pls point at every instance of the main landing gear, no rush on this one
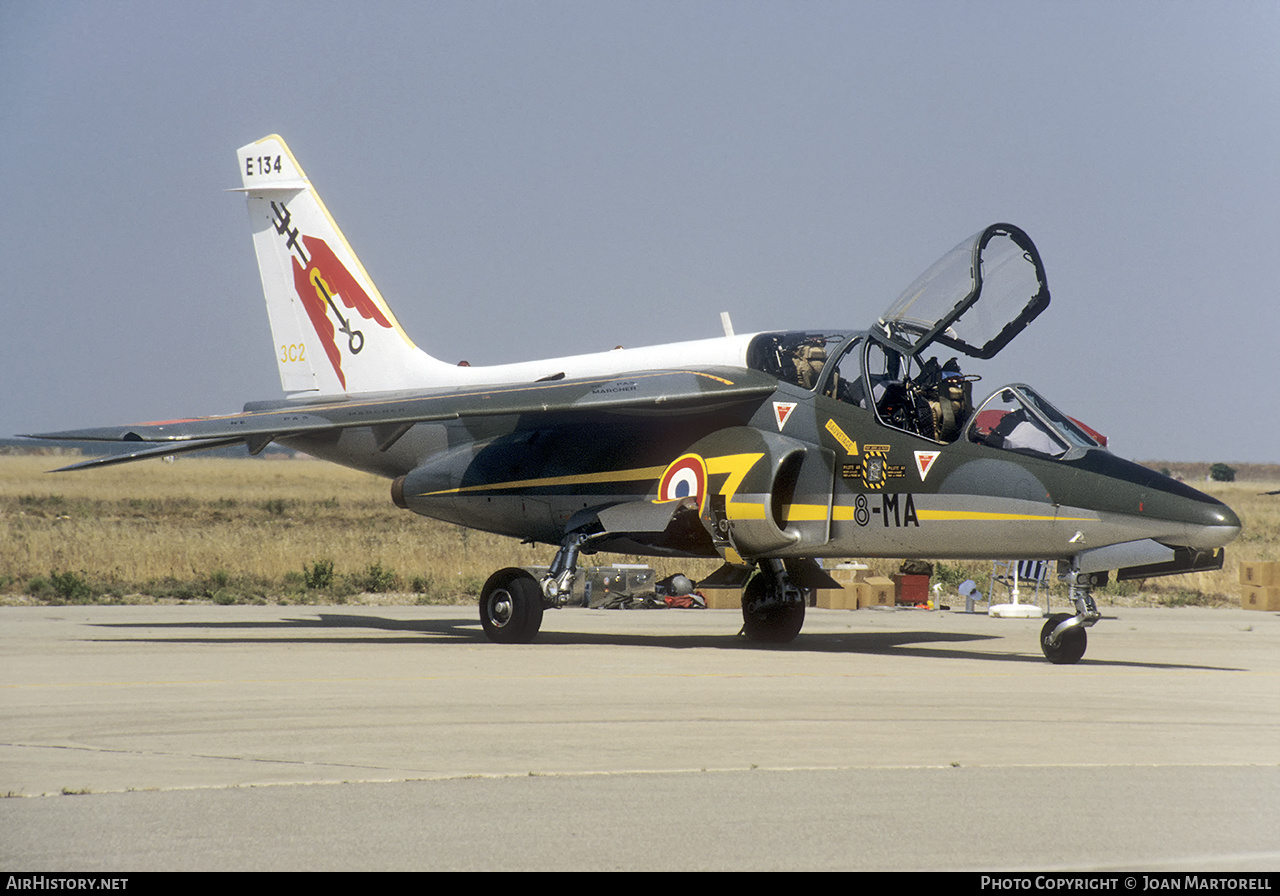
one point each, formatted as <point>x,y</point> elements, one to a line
<point>511,607</point>
<point>772,606</point>
<point>512,600</point>
<point>1063,638</point>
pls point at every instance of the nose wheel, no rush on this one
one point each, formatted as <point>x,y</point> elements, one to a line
<point>1063,639</point>
<point>1069,645</point>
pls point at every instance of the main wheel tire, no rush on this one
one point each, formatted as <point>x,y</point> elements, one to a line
<point>1070,646</point>
<point>778,624</point>
<point>511,607</point>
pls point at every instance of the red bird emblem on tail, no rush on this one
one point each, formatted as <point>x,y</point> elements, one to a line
<point>321,284</point>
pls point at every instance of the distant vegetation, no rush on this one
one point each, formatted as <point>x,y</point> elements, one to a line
<point>1203,471</point>
<point>48,448</point>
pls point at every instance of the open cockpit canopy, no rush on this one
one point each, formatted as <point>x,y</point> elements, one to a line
<point>975,299</point>
<point>1017,418</point>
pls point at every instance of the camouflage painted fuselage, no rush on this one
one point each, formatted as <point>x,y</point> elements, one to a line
<point>791,474</point>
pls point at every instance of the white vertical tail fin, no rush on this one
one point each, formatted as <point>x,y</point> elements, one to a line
<point>333,332</point>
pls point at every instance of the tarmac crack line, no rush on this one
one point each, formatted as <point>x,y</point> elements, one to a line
<point>178,754</point>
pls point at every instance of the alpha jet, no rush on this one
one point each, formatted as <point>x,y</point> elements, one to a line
<point>767,450</point>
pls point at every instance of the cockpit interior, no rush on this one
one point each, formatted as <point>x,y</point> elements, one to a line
<point>974,300</point>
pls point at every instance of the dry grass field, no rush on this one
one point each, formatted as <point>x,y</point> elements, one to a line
<point>235,531</point>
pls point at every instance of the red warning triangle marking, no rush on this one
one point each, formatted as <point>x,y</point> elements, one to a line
<point>924,460</point>
<point>782,411</point>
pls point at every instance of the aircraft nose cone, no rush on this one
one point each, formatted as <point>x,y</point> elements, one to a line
<point>1221,524</point>
<point>1198,520</point>
<point>1209,523</point>
<point>1172,512</point>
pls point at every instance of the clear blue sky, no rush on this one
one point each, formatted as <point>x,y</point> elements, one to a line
<point>540,178</point>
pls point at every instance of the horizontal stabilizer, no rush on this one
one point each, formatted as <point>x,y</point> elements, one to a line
<point>145,453</point>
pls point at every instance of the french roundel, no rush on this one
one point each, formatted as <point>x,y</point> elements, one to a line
<point>685,478</point>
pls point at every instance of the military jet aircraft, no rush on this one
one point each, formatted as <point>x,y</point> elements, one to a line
<point>766,450</point>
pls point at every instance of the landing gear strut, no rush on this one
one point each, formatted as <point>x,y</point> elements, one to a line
<point>1063,638</point>
<point>557,584</point>
<point>772,607</point>
<point>512,600</point>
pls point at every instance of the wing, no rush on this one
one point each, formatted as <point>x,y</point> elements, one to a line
<point>390,415</point>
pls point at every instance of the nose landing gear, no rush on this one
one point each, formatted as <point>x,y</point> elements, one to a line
<point>1063,639</point>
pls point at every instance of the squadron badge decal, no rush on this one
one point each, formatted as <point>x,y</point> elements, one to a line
<point>321,279</point>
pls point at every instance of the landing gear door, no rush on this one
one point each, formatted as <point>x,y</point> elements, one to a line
<point>975,299</point>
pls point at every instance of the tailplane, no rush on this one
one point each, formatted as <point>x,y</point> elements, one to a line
<point>333,332</point>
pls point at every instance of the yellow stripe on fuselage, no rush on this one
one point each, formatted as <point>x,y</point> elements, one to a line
<point>577,479</point>
<point>800,513</point>
<point>805,513</point>
<point>736,467</point>
<point>992,516</point>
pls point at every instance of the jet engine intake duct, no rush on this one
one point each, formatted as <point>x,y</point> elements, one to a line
<point>758,481</point>
<point>783,489</point>
<point>758,519</point>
